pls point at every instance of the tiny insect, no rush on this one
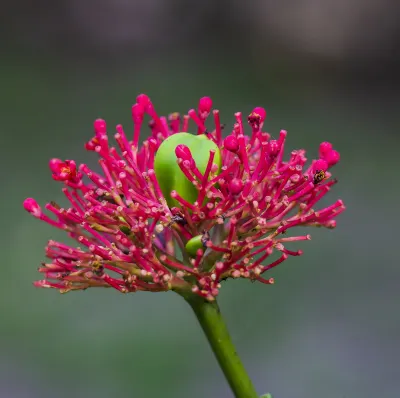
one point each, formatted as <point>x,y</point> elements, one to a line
<point>54,204</point>
<point>205,238</point>
<point>179,219</point>
<point>222,216</point>
<point>319,176</point>
<point>97,268</point>
<point>108,198</point>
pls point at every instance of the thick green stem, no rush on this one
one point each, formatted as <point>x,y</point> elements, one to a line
<point>214,327</point>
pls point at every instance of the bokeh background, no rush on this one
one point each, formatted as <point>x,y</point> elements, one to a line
<point>324,70</point>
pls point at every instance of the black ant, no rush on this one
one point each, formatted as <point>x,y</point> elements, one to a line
<point>179,219</point>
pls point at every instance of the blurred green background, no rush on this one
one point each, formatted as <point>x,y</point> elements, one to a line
<point>330,326</point>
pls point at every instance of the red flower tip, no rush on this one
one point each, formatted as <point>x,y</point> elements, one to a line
<point>55,164</point>
<point>100,126</point>
<point>332,157</point>
<point>261,112</point>
<point>236,186</point>
<point>273,148</point>
<point>183,152</point>
<point>153,143</point>
<point>205,105</point>
<point>91,145</point>
<point>320,165</point>
<point>231,143</point>
<point>143,100</point>
<point>324,148</point>
<point>327,153</point>
<point>137,112</point>
<point>175,210</point>
<point>31,206</point>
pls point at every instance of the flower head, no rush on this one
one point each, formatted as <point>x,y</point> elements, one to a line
<point>183,211</point>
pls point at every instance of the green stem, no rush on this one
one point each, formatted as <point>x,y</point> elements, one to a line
<point>214,327</point>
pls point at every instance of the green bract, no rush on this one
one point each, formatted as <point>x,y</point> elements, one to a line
<point>170,177</point>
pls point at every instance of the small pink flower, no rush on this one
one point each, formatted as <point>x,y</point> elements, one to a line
<point>231,143</point>
<point>183,152</point>
<point>256,118</point>
<point>31,206</point>
<point>128,236</point>
<point>327,153</point>
<point>236,186</point>
<point>332,157</point>
<point>64,171</point>
<point>205,105</point>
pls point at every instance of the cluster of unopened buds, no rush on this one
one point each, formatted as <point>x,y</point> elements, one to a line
<point>183,211</point>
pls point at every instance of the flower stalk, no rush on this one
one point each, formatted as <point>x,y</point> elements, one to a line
<point>210,318</point>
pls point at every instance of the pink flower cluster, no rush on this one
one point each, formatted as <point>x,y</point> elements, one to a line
<point>130,239</point>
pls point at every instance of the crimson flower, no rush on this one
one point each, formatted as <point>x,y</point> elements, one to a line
<point>183,211</point>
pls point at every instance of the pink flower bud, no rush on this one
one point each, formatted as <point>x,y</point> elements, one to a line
<point>205,105</point>
<point>183,152</point>
<point>143,100</point>
<point>236,186</point>
<point>319,165</point>
<point>231,143</point>
<point>324,148</point>
<point>31,206</point>
<point>92,144</point>
<point>153,143</point>
<point>55,164</point>
<point>137,112</point>
<point>272,148</point>
<point>332,157</point>
<point>100,126</point>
